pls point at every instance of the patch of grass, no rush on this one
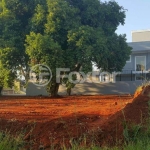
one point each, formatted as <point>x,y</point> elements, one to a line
<point>8,142</point>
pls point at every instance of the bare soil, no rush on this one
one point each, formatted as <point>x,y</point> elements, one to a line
<point>50,122</point>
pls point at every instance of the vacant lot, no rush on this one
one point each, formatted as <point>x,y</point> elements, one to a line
<point>48,121</point>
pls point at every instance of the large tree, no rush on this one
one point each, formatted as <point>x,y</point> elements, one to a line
<point>74,33</point>
<point>62,34</point>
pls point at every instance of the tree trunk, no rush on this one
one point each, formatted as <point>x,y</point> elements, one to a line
<point>1,88</point>
<point>54,90</point>
<point>26,75</point>
<point>77,68</point>
<point>68,91</point>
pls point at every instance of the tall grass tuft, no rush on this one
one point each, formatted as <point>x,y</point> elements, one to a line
<point>8,142</point>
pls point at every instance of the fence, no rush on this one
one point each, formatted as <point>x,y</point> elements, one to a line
<point>130,75</point>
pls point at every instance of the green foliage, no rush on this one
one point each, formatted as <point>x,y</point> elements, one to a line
<point>6,78</point>
<point>62,34</point>
<point>131,132</point>
<point>10,143</point>
<point>71,34</point>
<point>14,26</point>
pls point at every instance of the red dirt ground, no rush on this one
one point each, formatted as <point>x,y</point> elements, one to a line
<point>47,121</point>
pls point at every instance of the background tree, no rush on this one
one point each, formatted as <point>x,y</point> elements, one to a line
<point>6,78</point>
<point>14,26</point>
<point>71,34</point>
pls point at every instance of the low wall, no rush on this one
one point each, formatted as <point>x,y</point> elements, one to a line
<point>120,87</point>
<point>33,90</point>
<point>7,92</point>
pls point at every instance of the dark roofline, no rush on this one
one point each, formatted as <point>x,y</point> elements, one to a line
<point>139,42</point>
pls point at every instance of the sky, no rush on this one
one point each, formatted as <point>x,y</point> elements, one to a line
<point>137,16</point>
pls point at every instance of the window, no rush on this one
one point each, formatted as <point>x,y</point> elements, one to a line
<point>140,63</point>
<point>129,60</point>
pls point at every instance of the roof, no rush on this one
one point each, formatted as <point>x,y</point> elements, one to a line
<point>136,31</point>
<point>140,46</point>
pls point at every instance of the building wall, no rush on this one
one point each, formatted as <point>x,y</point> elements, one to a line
<point>139,36</point>
<point>148,61</point>
<point>7,91</point>
<point>33,90</point>
<point>131,65</point>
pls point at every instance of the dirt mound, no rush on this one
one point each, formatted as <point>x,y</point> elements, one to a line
<point>134,113</point>
<point>144,90</point>
<point>138,91</point>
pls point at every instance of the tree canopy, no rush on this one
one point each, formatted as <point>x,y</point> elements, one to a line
<point>62,34</point>
<point>14,26</point>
